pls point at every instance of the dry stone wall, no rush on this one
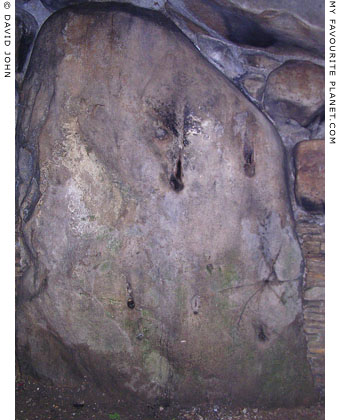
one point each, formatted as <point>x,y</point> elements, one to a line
<point>310,191</point>
<point>313,245</point>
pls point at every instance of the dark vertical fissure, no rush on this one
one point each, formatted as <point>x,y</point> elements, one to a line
<point>176,181</point>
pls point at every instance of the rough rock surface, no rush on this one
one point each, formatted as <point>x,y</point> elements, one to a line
<point>157,247</point>
<point>252,23</point>
<point>34,8</point>
<point>312,13</point>
<point>310,175</point>
<point>296,91</point>
<point>26,28</point>
<point>263,24</point>
<point>57,4</point>
<point>229,33</point>
<point>254,85</point>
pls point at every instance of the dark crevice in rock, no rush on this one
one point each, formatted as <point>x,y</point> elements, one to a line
<point>29,290</point>
<point>26,28</point>
<point>261,334</point>
<point>318,115</point>
<point>131,303</point>
<point>309,205</point>
<point>30,200</point>
<point>210,268</point>
<point>195,304</point>
<point>25,31</point>
<point>239,27</point>
<point>316,124</point>
<point>176,178</point>
<point>179,169</point>
<point>244,31</point>
<point>248,154</point>
<point>32,195</point>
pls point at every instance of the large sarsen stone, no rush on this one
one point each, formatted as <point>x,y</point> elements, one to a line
<point>157,248</point>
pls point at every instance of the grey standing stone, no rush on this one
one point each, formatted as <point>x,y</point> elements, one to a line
<point>157,233</point>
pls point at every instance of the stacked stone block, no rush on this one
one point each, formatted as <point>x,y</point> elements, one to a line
<point>309,190</point>
<point>312,237</point>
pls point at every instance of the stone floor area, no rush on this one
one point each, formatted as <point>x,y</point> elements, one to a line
<point>40,401</point>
